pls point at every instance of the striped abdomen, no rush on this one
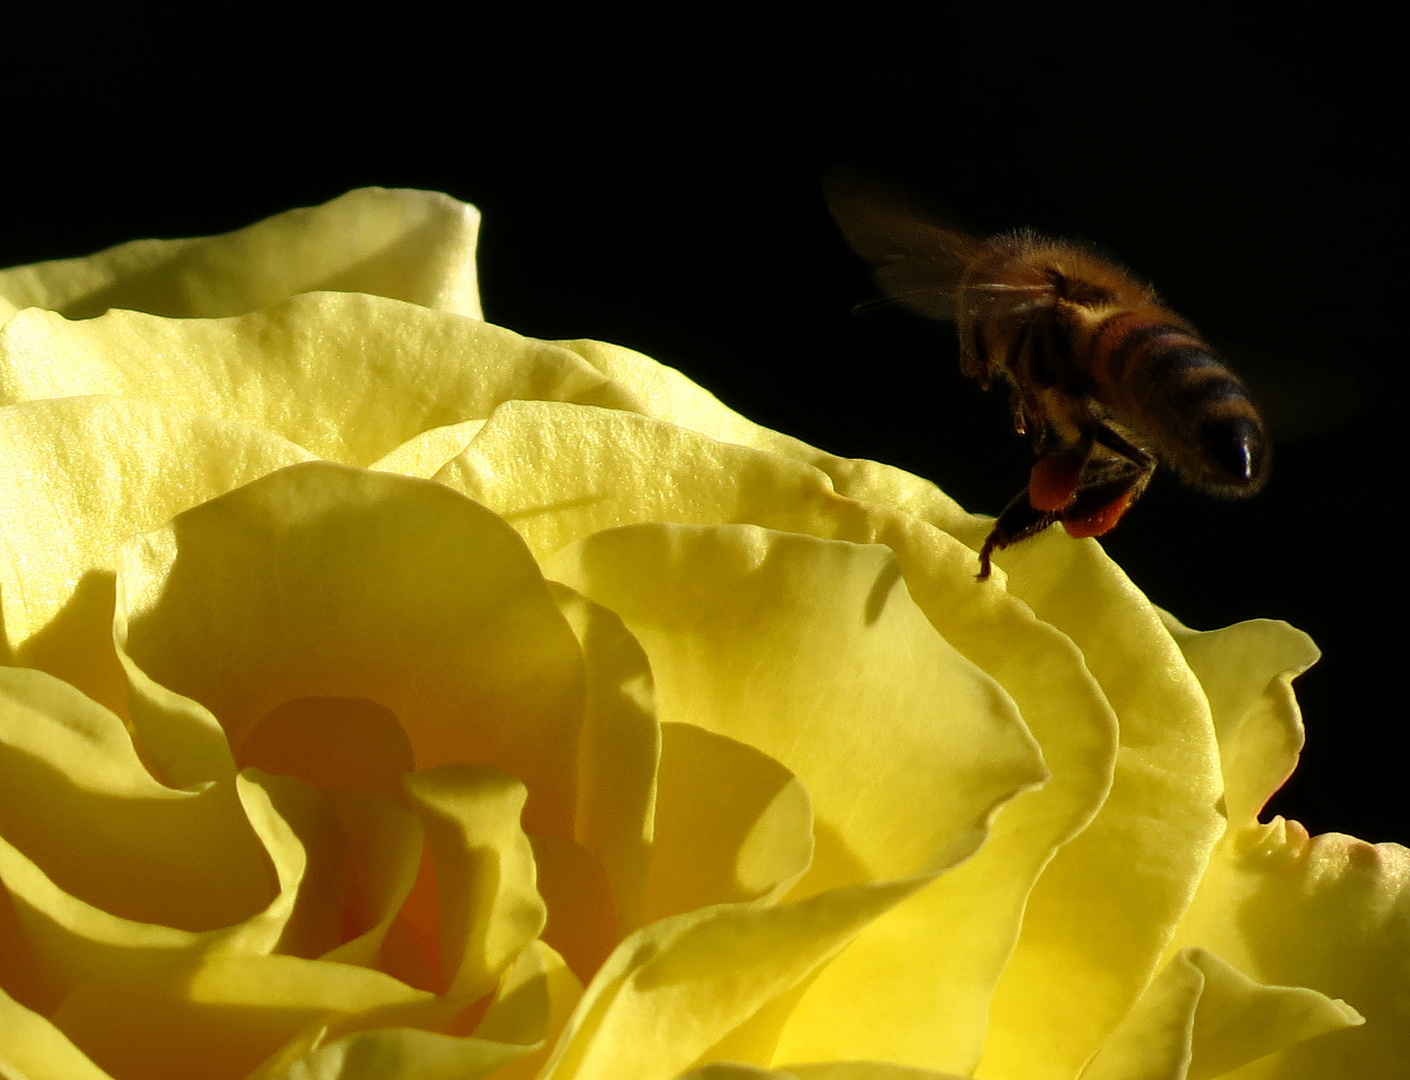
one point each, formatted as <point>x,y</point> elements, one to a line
<point>1165,383</point>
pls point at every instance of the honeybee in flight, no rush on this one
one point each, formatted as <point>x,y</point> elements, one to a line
<point>1104,380</point>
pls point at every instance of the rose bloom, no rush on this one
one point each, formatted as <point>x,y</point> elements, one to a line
<point>390,695</point>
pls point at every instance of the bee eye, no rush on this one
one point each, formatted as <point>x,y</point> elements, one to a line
<point>1238,447</point>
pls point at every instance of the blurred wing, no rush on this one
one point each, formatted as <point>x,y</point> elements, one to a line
<point>915,260</point>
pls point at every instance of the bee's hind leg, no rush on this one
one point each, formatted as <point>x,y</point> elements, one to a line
<point>1018,521</point>
<point>1108,486</point>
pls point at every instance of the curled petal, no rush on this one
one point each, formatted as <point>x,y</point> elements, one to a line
<point>347,376</point>
<point>487,909</point>
<point>618,754</point>
<point>96,470</point>
<point>1202,1018</point>
<point>675,988</point>
<point>33,1048</point>
<point>418,600</point>
<point>414,245</point>
<point>814,652</point>
<point>1329,913</point>
<point>731,824</point>
<point>1247,671</point>
<point>831,1070</point>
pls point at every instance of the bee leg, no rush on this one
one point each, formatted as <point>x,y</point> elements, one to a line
<point>1108,487</point>
<point>1018,521</point>
<point>1104,435</point>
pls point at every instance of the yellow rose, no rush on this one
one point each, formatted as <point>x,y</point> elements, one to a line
<point>389,695</point>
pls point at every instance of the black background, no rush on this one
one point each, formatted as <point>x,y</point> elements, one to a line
<point>651,177</point>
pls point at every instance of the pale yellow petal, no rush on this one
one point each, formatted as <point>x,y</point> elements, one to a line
<point>1105,909</point>
<point>832,1070</point>
<point>582,921</point>
<point>617,753</point>
<point>31,1048</point>
<point>1247,671</point>
<point>1202,1018</point>
<point>382,845</point>
<point>677,987</point>
<point>219,1017</point>
<point>121,874</point>
<point>732,824</point>
<point>733,1070</point>
<point>487,907</point>
<point>426,454</point>
<point>560,471</point>
<point>532,1005</point>
<point>942,951</point>
<point>178,858</point>
<point>1331,914</point>
<point>414,245</point>
<point>364,586</point>
<point>80,477</point>
<point>308,844</point>
<point>663,393</point>
<point>401,1054</point>
<point>347,376</point>
<point>814,652</point>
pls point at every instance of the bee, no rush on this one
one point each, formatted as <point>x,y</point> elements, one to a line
<point>1104,380</point>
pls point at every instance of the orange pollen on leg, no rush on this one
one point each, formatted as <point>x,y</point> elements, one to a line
<point>1052,485</point>
<point>1100,521</point>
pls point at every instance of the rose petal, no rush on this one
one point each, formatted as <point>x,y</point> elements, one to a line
<point>347,376</point>
<point>1330,913</point>
<point>426,454</point>
<point>560,471</point>
<point>617,754</point>
<point>400,1054</point>
<point>1325,913</point>
<point>217,1018</point>
<point>531,1006</point>
<point>832,1070</point>
<point>94,471</point>
<point>487,909</point>
<point>381,844</point>
<point>416,598</point>
<point>676,987</point>
<point>942,951</point>
<point>331,742</point>
<point>582,922</point>
<point>1247,671</point>
<point>1104,910</point>
<point>813,652</point>
<point>866,1070</point>
<point>162,872</point>
<point>34,1049</point>
<point>534,1001</point>
<point>414,245</point>
<point>664,393</point>
<point>731,824</point>
<point>1202,1018</point>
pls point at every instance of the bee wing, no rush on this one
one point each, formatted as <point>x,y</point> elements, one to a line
<point>916,260</point>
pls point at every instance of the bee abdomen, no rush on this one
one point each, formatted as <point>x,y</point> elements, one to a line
<point>1165,378</point>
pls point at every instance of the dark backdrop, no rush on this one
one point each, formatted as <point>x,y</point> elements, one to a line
<point>653,180</point>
